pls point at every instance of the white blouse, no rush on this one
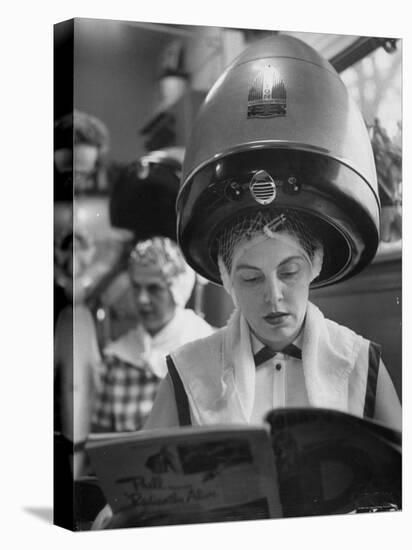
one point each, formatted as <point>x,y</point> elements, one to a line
<point>279,382</point>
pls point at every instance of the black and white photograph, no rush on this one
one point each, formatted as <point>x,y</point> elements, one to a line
<point>226,237</point>
<point>227,252</point>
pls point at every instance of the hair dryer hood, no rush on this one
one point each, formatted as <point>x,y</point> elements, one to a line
<point>279,130</point>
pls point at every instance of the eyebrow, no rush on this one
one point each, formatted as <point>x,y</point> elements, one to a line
<point>288,259</point>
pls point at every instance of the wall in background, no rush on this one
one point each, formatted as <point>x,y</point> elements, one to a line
<point>115,79</point>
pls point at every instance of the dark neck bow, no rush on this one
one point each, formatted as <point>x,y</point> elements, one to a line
<point>266,353</point>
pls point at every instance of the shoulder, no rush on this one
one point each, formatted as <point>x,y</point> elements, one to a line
<point>343,341</point>
<point>200,346</point>
<point>343,337</point>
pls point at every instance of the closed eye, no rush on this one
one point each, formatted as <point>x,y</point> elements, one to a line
<point>253,279</point>
<point>289,273</point>
<point>250,276</point>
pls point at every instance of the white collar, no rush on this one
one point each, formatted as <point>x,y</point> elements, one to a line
<point>257,345</point>
<point>136,342</point>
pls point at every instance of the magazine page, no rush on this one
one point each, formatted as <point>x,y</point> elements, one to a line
<point>330,462</point>
<point>189,475</point>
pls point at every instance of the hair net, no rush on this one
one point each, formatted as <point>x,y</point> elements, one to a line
<point>164,256</point>
<point>246,231</point>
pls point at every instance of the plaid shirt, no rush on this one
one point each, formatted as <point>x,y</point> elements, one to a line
<point>134,367</point>
<point>126,397</point>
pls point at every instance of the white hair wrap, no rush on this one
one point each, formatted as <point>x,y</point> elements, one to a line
<point>164,256</point>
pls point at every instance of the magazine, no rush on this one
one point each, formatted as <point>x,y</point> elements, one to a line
<point>209,473</point>
<point>302,462</point>
<point>330,462</point>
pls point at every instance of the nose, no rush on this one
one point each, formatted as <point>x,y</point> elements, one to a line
<point>273,290</point>
<point>142,297</point>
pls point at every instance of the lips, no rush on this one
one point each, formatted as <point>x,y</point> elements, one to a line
<point>275,318</point>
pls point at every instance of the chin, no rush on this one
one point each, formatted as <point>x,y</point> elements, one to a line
<point>279,335</point>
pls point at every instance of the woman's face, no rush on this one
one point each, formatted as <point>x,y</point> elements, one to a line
<point>271,282</point>
<point>153,298</point>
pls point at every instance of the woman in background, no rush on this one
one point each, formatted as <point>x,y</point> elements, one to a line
<point>134,365</point>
